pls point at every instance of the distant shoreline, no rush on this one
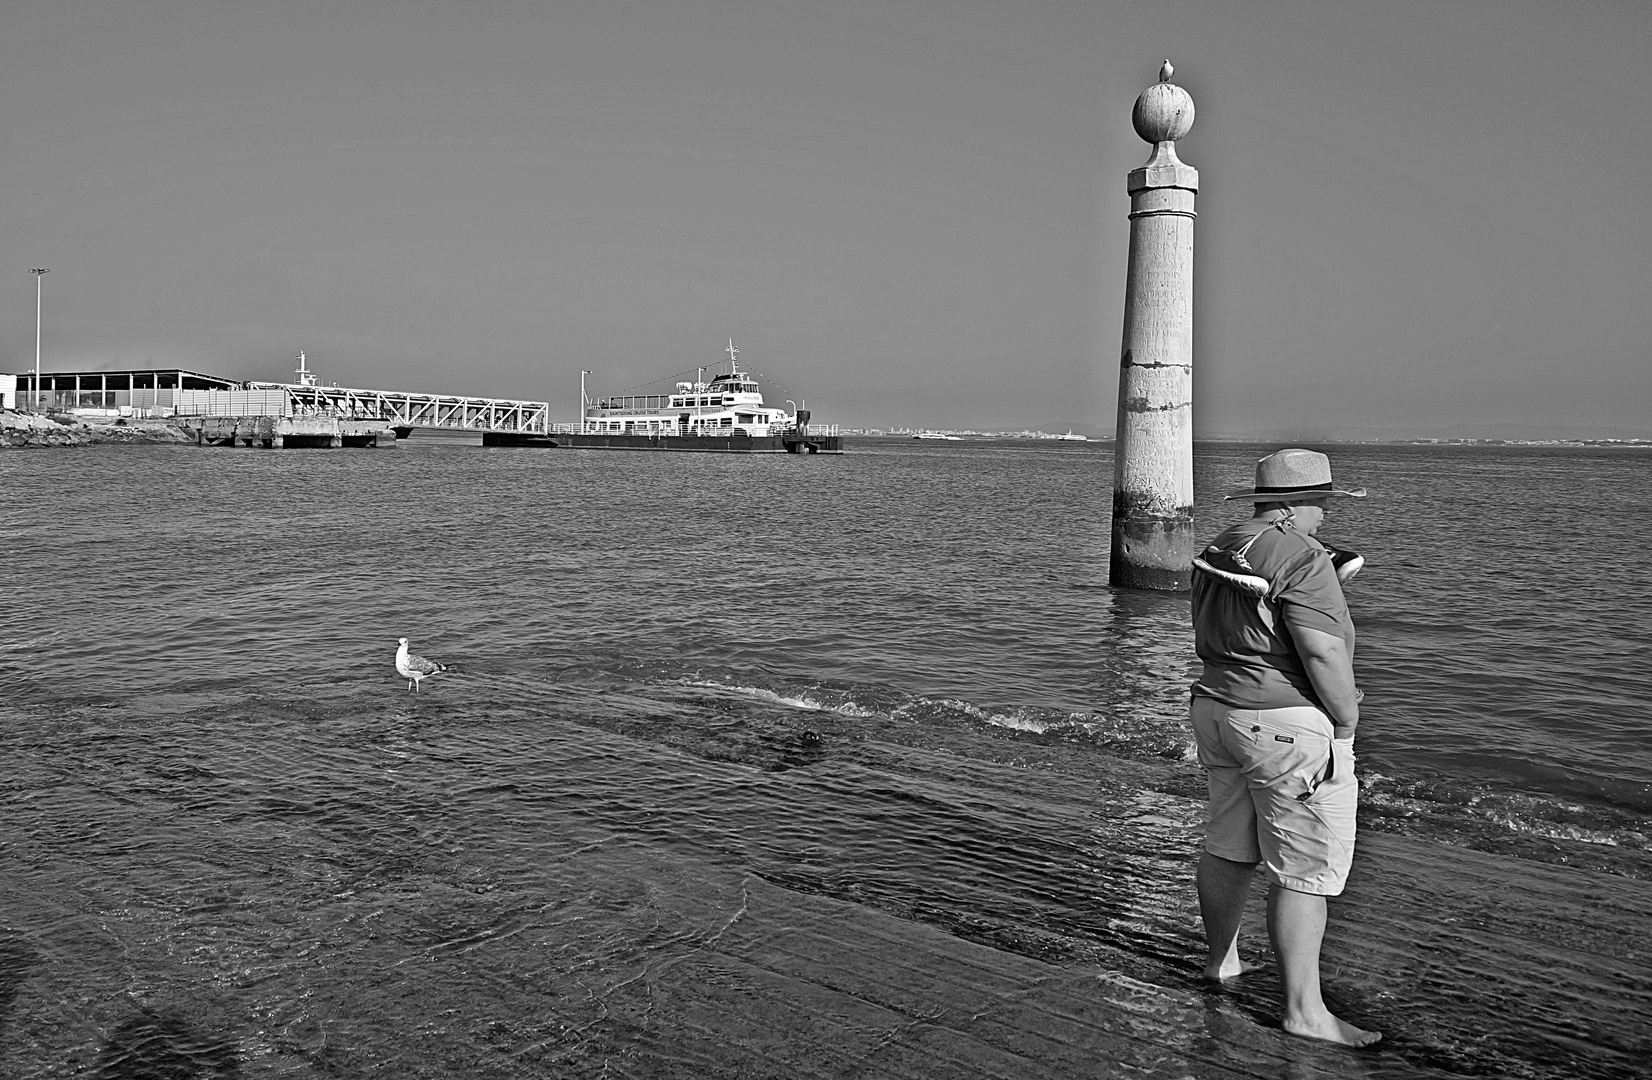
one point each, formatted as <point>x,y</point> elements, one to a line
<point>999,436</point>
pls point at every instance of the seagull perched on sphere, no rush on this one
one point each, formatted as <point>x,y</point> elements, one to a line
<point>414,668</point>
<point>1166,71</point>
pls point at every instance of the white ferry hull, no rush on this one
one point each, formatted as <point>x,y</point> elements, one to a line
<point>709,444</point>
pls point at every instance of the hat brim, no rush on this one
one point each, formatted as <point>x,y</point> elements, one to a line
<point>1300,493</point>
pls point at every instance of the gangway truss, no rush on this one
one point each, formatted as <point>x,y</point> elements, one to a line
<point>405,409</point>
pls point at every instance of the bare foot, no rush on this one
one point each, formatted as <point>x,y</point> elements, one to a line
<point>1329,1028</point>
<point>1230,967</point>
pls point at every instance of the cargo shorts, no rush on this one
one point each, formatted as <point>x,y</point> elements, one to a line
<point>1282,792</point>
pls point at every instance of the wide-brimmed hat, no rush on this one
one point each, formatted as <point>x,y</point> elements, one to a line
<point>1295,474</point>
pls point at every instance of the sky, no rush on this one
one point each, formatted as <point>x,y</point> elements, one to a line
<point>904,212</point>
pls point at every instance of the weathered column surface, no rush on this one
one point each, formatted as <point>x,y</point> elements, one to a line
<point>1153,457</point>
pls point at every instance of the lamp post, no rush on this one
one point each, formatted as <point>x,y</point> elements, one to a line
<point>39,273</point>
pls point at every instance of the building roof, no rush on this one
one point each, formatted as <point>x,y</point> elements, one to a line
<point>123,375</point>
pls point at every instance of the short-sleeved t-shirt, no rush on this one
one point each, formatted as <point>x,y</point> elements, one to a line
<point>1250,661</point>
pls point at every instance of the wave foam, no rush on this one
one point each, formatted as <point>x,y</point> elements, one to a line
<point>793,701</point>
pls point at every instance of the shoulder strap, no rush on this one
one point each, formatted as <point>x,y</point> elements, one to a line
<point>1231,568</point>
<point>1255,584</point>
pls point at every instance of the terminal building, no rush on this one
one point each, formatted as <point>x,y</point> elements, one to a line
<point>137,389</point>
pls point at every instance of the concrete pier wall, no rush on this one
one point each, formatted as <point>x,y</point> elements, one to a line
<point>278,432</point>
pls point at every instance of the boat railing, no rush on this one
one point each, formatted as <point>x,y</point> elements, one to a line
<point>575,428</point>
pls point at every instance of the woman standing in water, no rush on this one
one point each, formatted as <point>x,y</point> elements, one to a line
<point>1274,714</point>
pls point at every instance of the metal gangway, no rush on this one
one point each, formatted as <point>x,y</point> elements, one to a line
<point>404,409</point>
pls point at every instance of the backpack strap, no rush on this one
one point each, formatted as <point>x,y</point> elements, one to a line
<point>1232,568</point>
<point>1255,584</point>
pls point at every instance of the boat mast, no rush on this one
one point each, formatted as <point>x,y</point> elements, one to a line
<point>733,368</point>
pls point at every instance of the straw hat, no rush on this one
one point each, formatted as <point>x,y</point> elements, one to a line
<point>1295,474</point>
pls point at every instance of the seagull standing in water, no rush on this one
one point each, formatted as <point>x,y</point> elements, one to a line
<point>414,668</point>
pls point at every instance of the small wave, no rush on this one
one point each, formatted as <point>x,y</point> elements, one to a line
<point>29,643</point>
<point>794,701</point>
<point>1468,811</point>
<point>1446,807</point>
<point>1551,831</point>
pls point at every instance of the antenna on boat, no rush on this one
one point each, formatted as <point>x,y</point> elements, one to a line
<point>733,368</point>
<point>306,377</point>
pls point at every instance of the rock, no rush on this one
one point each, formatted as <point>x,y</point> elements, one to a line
<point>32,429</point>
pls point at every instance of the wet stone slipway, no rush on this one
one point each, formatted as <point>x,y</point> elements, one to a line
<point>586,898</point>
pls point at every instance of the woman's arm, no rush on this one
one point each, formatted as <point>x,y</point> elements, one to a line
<point>1331,670</point>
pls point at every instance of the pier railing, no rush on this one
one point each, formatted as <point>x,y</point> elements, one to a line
<point>405,409</point>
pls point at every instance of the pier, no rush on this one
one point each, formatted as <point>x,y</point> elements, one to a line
<point>289,432</point>
<point>290,415</point>
<point>406,411</point>
<point>306,414</point>
<point>223,412</point>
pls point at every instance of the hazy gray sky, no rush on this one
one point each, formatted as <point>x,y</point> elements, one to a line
<point>902,210</point>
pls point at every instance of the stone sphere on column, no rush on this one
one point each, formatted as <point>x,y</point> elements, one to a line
<point>1163,113</point>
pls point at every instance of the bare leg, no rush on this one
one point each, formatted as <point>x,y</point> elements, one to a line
<point>1296,923</point>
<point>1224,886</point>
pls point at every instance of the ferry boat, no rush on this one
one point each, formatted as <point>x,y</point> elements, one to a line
<point>726,414</point>
<point>937,435</point>
<point>1070,437</point>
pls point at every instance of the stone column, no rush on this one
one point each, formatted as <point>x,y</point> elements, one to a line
<point>1153,457</point>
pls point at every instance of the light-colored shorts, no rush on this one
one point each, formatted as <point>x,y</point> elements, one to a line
<point>1282,792</point>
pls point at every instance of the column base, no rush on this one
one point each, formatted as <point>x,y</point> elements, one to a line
<point>1151,551</point>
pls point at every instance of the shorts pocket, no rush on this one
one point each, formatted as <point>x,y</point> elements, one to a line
<point>1338,770</point>
<point>1287,759</point>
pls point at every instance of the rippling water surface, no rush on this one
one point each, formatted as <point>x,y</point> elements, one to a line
<point>894,679</point>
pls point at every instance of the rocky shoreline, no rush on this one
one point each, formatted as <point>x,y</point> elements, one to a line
<point>20,430</point>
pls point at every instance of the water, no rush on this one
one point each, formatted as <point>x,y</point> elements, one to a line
<point>701,703</point>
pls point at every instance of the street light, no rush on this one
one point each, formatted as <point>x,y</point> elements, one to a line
<point>39,273</point>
